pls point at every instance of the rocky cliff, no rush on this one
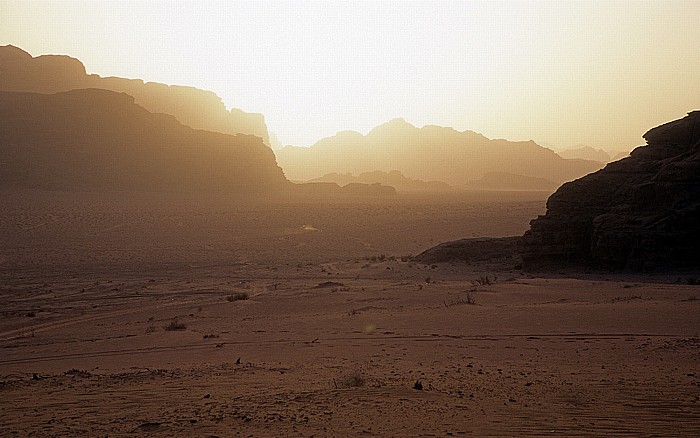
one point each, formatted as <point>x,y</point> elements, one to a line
<point>200,109</point>
<point>639,213</point>
<point>94,139</point>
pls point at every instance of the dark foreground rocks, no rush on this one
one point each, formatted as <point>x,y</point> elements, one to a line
<point>639,213</point>
<point>500,251</point>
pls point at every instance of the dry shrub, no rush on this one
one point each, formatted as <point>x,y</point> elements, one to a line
<point>238,296</point>
<point>175,325</point>
<point>352,380</point>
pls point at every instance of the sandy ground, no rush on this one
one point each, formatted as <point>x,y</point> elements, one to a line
<point>332,337</point>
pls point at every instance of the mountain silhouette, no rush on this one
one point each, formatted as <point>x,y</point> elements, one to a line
<point>641,212</point>
<point>586,153</point>
<point>430,153</point>
<point>94,139</point>
<point>394,179</point>
<point>199,109</point>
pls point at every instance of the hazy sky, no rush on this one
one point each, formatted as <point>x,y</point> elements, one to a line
<point>560,72</point>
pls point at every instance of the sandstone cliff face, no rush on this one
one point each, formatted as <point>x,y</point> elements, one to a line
<point>94,139</point>
<point>639,213</point>
<point>200,109</point>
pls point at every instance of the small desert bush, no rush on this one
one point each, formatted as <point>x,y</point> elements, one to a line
<point>175,325</point>
<point>238,296</point>
<point>468,299</point>
<point>352,380</point>
<point>150,329</point>
<point>78,373</point>
<point>484,280</point>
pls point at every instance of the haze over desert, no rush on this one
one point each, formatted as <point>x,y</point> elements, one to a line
<point>337,219</point>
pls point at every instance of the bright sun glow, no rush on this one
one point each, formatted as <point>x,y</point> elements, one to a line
<point>560,73</point>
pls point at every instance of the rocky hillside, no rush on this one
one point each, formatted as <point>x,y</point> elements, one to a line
<point>95,139</point>
<point>642,212</point>
<point>200,109</point>
<point>430,153</point>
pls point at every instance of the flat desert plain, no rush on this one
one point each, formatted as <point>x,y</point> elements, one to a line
<point>193,316</point>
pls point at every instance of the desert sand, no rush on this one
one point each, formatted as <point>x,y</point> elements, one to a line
<point>123,315</point>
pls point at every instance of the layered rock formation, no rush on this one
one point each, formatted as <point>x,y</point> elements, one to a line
<point>639,213</point>
<point>430,153</point>
<point>200,109</point>
<point>95,139</point>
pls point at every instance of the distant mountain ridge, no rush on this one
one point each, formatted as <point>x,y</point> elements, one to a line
<point>430,153</point>
<point>394,179</point>
<point>199,109</point>
<point>586,153</point>
<point>94,139</point>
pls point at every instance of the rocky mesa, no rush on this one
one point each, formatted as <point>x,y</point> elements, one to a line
<point>200,109</point>
<point>639,213</point>
<point>93,139</point>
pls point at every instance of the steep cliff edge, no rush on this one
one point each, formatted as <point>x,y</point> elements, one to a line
<point>93,139</point>
<point>199,109</point>
<point>639,213</point>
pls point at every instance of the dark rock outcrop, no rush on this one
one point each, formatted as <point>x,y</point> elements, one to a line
<point>639,213</point>
<point>94,139</point>
<point>394,179</point>
<point>331,190</point>
<point>199,109</point>
<point>483,250</point>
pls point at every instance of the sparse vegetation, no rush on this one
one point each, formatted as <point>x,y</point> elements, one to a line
<point>150,329</point>
<point>484,280</point>
<point>468,299</point>
<point>352,380</point>
<point>238,296</point>
<point>627,298</point>
<point>175,325</point>
<point>692,281</point>
<point>78,373</point>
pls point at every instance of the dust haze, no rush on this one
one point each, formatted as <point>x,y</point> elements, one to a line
<point>164,271</point>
